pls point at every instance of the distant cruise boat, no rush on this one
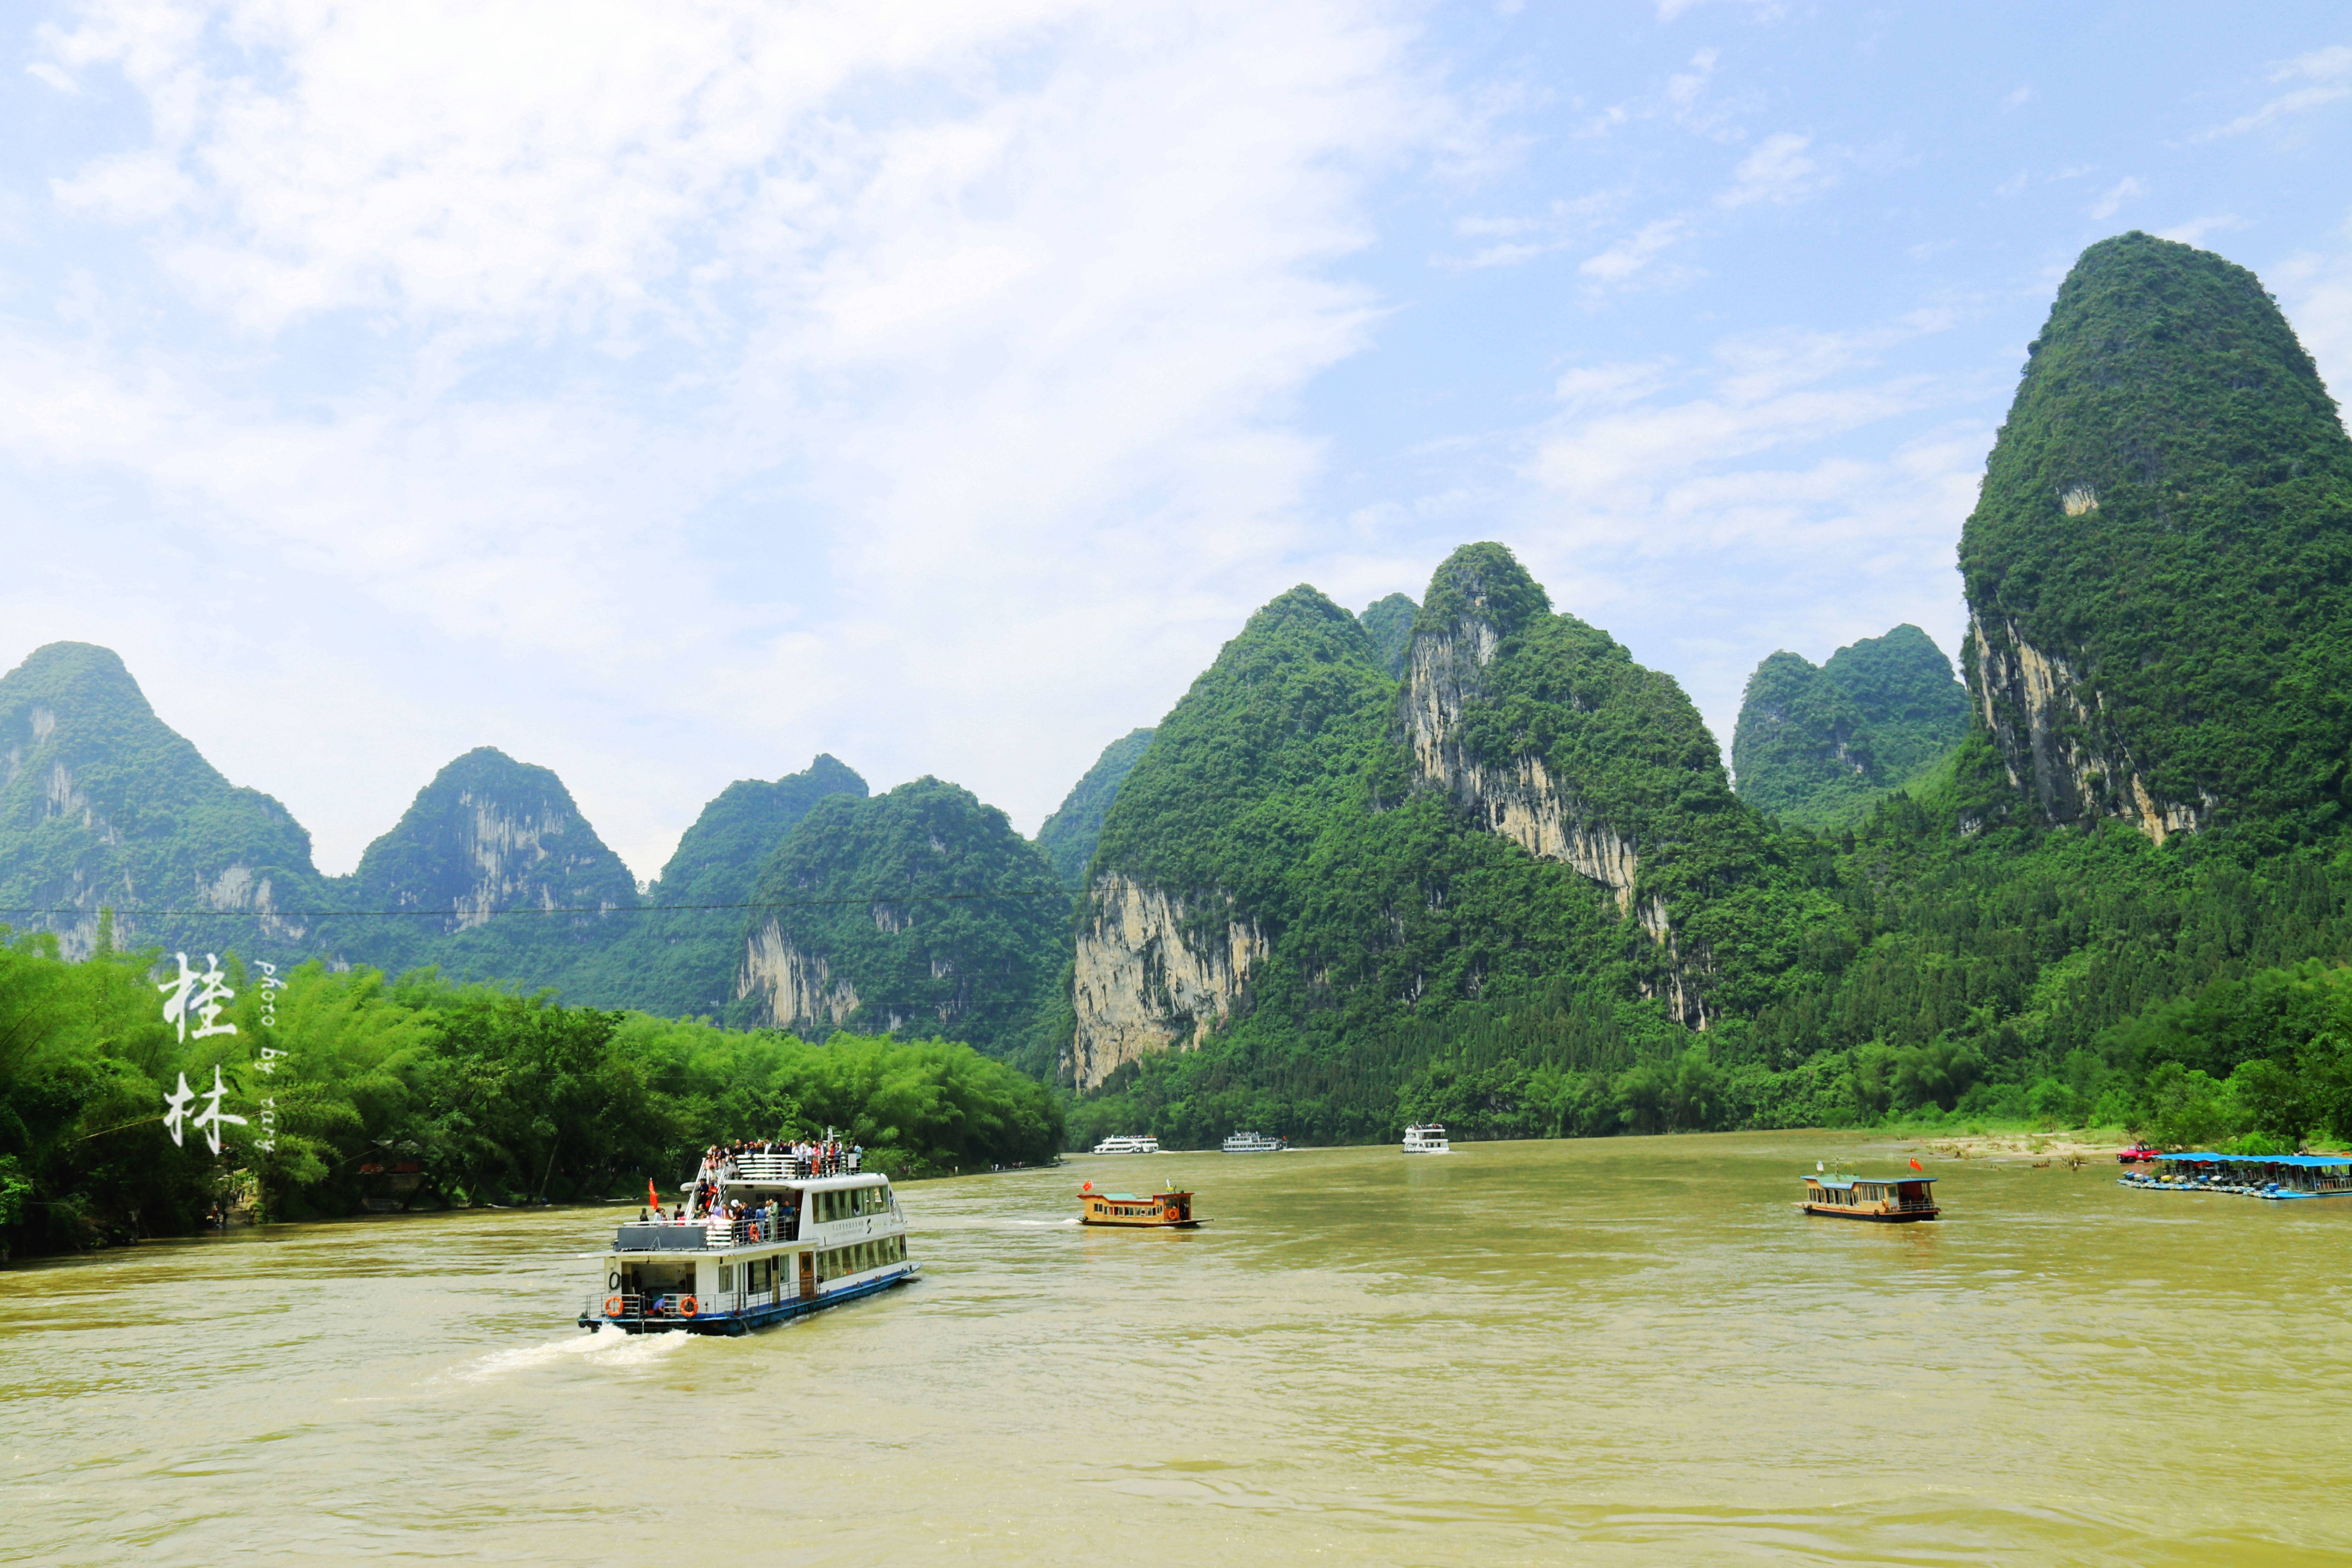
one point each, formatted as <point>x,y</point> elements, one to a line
<point>1429,1140</point>
<point>1254,1144</point>
<point>1144,1146</point>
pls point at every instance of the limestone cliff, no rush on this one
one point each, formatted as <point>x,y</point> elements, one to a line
<point>1143,981</point>
<point>2058,746</point>
<point>791,989</point>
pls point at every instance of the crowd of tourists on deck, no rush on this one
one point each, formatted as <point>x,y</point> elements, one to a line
<point>723,1163</point>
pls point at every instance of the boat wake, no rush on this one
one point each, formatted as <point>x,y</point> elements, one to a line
<point>609,1350</point>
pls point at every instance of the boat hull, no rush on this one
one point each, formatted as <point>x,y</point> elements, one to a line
<point>744,1323</point>
<point>1897,1216</point>
<point>1143,1224</point>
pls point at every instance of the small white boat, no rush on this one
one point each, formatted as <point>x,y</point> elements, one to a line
<point>1144,1146</point>
<point>1254,1144</point>
<point>808,1242</point>
<point>1429,1140</point>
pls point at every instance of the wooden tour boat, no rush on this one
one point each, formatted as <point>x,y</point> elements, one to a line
<point>1889,1200</point>
<point>1161,1211</point>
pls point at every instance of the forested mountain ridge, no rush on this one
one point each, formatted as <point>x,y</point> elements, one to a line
<point>1818,746</point>
<point>103,805</point>
<point>1319,874</point>
<point>682,956</point>
<point>2159,568</point>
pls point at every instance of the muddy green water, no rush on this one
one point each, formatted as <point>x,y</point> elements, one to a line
<point>1623,1351</point>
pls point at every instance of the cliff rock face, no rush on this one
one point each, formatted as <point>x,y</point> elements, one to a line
<point>1144,981</point>
<point>920,910</point>
<point>1819,746</point>
<point>102,804</point>
<point>796,990</point>
<point>490,834</point>
<point>2159,568</point>
<point>1068,836</point>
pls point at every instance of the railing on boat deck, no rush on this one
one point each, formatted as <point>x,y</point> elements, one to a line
<point>788,1167</point>
<point>701,1234</point>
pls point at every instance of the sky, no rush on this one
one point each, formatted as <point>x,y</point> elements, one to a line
<point>664,393</point>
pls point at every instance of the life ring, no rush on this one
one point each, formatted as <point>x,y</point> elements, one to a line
<point>687,1307</point>
<point>612,1305</point>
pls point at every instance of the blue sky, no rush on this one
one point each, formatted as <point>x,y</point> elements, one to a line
<point>667,393</point>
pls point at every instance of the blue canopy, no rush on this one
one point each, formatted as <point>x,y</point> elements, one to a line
<point>1841,1183</point>
<point>2304,1161</point>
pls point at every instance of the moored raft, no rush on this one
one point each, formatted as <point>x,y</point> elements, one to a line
<point>2271,1176</point>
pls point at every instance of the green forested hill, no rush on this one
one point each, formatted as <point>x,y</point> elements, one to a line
<point>2159,564</point>
<point>1817,746</point>
<point>101,803</point>
<point>1388,622</point>
<point>1068,836</point>
<point>920,911</point>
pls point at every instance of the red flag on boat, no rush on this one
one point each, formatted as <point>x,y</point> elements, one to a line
<point>1917,1166</point>
<point>653,1198</point>
<point>1087,1188</point>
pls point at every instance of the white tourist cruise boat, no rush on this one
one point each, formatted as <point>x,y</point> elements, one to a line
<point>1429,1140</point>
<point>1254,1144</point>
<point>1144,1146</point>
<point>834,1239</point>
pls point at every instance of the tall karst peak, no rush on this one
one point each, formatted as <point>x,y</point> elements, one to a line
<point>490,834</point>
<point>1544,730</point>
<point>101,802</point>
<point>2157,568</point>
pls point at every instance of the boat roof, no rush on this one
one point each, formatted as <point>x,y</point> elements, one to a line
<point>1844,1182</point>
<point>2301,1160</point>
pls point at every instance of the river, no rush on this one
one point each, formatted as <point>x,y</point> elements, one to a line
<point>1628,1351</point>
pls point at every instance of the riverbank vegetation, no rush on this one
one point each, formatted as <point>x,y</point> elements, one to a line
<point>430,1092</point>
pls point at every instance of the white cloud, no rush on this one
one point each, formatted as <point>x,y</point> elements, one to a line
<point>1778,170</point>
<point>2196,230</point>
<point>2316,291</point>
<point>1714,512</point>
<point>2116,195</point>
<point>1635,252</point>
<point>2328,74</point>
<point>827,373</point>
